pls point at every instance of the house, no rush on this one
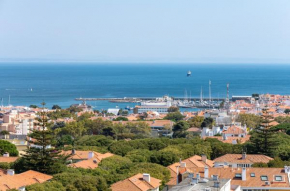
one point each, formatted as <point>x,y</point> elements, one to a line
<point>196,184</point>
<point>146,108</point>
<point>10,180</point>
<point>139,182</point>
<point>234,131</point>
<point>6,158</point>
<point>240,160</point>
<point>229,134</point>
<point>194,131</point>
<point>207,132</point>
<point>255,179</point>
<point>85,159</point>
<point>114,111</point>
<point>232,140</point>
<point>178,169</point>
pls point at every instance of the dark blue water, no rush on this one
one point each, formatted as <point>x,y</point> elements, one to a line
<point>61,83</point>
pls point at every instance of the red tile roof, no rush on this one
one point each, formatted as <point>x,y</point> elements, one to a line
<point>136,183</point>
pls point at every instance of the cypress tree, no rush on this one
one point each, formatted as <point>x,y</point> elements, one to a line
<point>40,155</point>
<point>264,137</point>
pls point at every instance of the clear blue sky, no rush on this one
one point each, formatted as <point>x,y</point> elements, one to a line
<point>233,31</point>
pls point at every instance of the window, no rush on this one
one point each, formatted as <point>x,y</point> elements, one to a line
<point>264,178</point>
<point>278,178</point>
<point>238,175</point>
<point>252,174</point>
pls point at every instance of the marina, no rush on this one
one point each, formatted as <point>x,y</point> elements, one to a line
<point>168,101</point>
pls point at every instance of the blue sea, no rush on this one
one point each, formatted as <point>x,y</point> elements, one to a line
<point>61,83</point>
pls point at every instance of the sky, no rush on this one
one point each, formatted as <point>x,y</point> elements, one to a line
<point>189,31</point>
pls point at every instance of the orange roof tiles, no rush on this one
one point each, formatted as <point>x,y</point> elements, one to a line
<point>8,159</point>
<point>24,179</point>
<point>231,140</point>
<point>136,183</point>
<point>87,164</point>
<point>237,158</point>
<point>191,163</point>
<point>234,130</point>
<point>85,161</point>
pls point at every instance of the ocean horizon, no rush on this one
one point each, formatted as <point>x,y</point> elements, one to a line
<point>61,83</point>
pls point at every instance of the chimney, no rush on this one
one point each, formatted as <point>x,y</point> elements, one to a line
<point>197,176</point>
<point>95,161</point>
<point>224,137</point>
<point>10,172</point>
<point>204,158</point>
<point>194,181</point>
<point>91,155</point>
<point>205,172</point>
<point>244,174</point>
<point>73,151</point>
<point>287,169</point>
<point>146,177</point>
<point>183,164</point>
<point>6,154</point>
<point>216,184</point>
<point>215,177</point>
<point>177,173</point>
<point>244,155</point>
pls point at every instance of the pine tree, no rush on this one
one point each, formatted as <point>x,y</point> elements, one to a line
<point>40,155</point>
<point>264,137</point>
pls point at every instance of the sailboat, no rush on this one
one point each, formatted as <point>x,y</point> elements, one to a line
<point>188,73</point>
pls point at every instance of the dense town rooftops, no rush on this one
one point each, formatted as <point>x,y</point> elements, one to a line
<point>183,166</point>
<point>262,178</point>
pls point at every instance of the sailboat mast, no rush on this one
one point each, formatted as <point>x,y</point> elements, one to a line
<point>201,95</point>
<point>185,95</point>
<point>209,86</point>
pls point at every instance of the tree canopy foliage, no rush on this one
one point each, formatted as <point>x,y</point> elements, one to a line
<point>250,120</point>
<point>6,146</point>
<point>174,116</point>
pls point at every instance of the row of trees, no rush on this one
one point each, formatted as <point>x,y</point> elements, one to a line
<point>118,130</point>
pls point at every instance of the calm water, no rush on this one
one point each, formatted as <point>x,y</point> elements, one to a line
<point>61,83</point>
